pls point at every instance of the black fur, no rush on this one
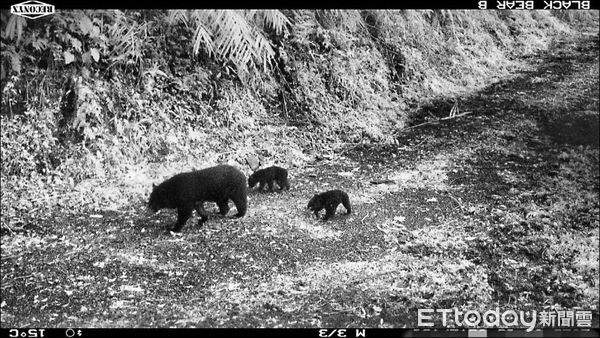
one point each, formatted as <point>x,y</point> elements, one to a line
<point>329,201</point>
<point>187,190</point>
<point>269,176</point>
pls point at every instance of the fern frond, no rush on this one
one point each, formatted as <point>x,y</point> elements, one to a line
<point>176,15</point>
<point>271,19</point>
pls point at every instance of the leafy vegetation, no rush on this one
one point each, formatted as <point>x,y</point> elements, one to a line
<point>495,208</point>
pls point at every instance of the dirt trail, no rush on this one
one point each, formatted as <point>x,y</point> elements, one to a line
<point>497,208</point>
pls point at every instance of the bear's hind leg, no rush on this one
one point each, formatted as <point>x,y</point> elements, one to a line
<point>241,204</point>
<point>223,207</point>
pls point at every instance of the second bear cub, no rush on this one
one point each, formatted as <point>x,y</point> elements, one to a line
<point>329,201</point>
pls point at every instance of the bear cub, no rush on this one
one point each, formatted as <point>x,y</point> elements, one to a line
<point>189,190</point>
<point>269,176</point>
<point>329,201</point>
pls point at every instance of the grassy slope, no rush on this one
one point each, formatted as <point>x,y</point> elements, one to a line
<point>486,210</point>
<point>341,77</point>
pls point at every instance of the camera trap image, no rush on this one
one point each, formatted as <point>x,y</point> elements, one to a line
<point>297,168</point>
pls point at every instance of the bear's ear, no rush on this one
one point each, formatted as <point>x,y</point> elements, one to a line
<point>153,185</point>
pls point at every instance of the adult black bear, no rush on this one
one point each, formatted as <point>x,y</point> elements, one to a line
<point>187,190</point>
<point>329,201</point>
<point>269,176</point>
